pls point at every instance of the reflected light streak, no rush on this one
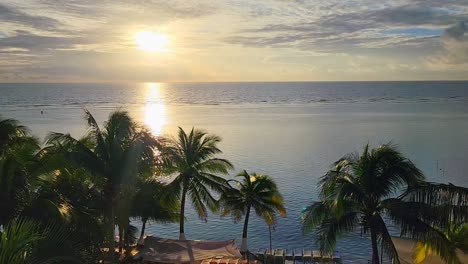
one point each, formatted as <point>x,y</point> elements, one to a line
<point>155,110</point>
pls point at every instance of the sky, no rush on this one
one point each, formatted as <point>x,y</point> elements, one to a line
<point>233,40</point>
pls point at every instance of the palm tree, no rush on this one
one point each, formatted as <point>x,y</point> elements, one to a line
<point>24,241</point>
<point>441,214</point>
<point>17,242</point>
<point>152,202</point>
<point>115,155</point>
<point>17,168</point>
<point>72,200</point>
<point>192,159</point>
<point>457,234</point>
<point>256,191</point>
<point>11,133</point>
<point>357,192</point>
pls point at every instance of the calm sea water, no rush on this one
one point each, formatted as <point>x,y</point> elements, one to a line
<point>291,131</point>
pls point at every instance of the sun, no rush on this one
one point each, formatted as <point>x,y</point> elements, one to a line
<point>152,41</point>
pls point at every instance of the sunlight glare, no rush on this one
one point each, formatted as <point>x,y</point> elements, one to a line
<point>152,41</point>
<point>155,110</point>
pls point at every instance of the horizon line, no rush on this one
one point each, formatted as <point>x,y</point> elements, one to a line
<point>293,81</point>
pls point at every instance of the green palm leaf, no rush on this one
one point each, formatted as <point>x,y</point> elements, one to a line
<point>192,158</point>
<point>356,192</point>
<point>254,192</point>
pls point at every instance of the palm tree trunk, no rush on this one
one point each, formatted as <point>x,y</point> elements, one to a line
<point>244,247</point>
<point>121,234</point>
<point>111,233</point>
<point>109,200</point>
<point>143,227</point>
<point>375,249</point>
<point>182,216</point>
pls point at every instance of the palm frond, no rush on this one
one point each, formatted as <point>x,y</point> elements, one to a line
<point>313,215</point>
<point>256,191</point>
<point>449,196</point>
<point>332,227</point>
<point>386,240</point>
<point>197,202</point>
<point>394,171</point>
<point>412,226</point>
<point>357,184</point>
<point>17,242</point>
<point>193,157</point>
<point>13,133</point>
<point>215,165</point>
<point>24,241</point>
<point>95,135</point>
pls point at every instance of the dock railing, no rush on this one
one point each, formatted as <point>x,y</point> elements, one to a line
<point>295,255</point>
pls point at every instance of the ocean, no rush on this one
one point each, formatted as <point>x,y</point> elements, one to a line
<point>291,131</point>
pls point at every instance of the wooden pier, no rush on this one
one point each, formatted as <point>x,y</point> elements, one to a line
<point>304,256</point>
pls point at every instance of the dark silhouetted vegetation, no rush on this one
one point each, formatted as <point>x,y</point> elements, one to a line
<point>378,186</point>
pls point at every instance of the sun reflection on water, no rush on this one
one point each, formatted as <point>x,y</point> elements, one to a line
<point>155,110</point>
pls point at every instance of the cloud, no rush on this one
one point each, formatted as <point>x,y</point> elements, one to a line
<point>411,15</point>
<point>12,15</point>
<point>457,31</point>
<point>340,29</point>
<point>140,9</point>
<point>454,54</point>
<point>95,39</point>
<point>25,40</point>
<point>86,38</point>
